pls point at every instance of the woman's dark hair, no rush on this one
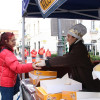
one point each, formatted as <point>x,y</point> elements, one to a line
<point>5,36</point>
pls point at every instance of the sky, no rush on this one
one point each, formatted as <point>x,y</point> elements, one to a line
<point>10,14</point>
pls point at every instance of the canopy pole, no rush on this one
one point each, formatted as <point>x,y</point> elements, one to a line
<point>99,12</point>
<point>23,43</point>
<point>99,35</point>
<point>60,45</point>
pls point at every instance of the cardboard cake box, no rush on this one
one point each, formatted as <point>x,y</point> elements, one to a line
<point>60,84</point>
<point>72,95</point>
<point>38,75</point>
<point>36,81</point>
<point>69,95</point>
<point>42,95</point>
<point>44,73</point>
<point>66,95</point>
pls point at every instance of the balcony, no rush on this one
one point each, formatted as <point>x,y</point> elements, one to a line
<point>93,31</point>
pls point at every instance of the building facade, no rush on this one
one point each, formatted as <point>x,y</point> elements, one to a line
<point>44,32</point>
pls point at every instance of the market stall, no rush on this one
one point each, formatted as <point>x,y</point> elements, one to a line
<point>72,9</point>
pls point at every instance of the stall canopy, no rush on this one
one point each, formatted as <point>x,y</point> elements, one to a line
<point>72,9</point>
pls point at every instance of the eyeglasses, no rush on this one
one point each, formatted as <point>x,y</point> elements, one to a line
<point>13,40</point>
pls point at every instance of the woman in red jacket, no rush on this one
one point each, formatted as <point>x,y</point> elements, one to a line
<point>10,66</point>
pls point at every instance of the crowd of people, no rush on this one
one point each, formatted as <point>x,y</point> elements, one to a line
<point>77,62</point>
<point>41,53</point>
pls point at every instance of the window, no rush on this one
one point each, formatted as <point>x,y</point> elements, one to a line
<point>38,44</point>
<point>92,25</point>
<point>38,27</point>
<point>93,29</point>
<point>34,29</point>
<point>93,41</point>
<point>34,45</point>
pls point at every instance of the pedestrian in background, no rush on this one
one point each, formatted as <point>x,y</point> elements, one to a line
<point>26,53</point>
<point>41,52</point>
<point>10,66</point>
<point>33,55</point>
<point>48,54</point>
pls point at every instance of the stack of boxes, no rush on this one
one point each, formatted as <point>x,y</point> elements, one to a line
<point>59,85</point>
<point>67,95</point>
<point>37,75</point>
<point>43,95</point>
<point>70,95</point>
<point>52,89</point>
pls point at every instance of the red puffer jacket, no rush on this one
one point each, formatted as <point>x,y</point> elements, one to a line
<point>9,67</point>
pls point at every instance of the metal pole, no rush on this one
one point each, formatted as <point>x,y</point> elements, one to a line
<point>23,43</point>
<point>99,33</point>
<point>60,45</point>
<point>99,12</point>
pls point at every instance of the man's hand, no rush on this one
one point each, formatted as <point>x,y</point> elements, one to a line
<point>35,67</point>
<point>40,63</point>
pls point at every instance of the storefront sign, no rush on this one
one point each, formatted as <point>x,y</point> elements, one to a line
<point>49,6</point>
